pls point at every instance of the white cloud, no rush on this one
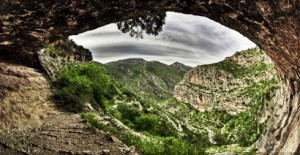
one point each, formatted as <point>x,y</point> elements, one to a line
<point>188,39</point>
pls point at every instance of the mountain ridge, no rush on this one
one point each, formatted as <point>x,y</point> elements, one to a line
<point>140,74</point>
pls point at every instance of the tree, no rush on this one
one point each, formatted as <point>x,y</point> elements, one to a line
<point>151,24</point>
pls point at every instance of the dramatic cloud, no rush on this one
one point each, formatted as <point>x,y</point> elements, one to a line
<point>188,39</point>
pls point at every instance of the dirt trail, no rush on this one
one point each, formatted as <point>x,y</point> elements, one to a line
<point>30,123</point>
<point>63,134</point>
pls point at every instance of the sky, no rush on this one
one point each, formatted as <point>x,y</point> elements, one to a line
<point>188,39</point>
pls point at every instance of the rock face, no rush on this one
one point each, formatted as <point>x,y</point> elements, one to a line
<point>232,84</point>
<point>61,53</point>
<point>25,97</point>
<point>26,26</point>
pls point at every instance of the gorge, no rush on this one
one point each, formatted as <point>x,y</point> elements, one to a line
<point>28,26</point>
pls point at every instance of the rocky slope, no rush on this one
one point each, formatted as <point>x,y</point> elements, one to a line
<point>150,80</point>
<point>231,85</point>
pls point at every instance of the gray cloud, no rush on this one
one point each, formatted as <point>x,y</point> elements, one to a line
<point>139,49</point>
<point>188,39</point>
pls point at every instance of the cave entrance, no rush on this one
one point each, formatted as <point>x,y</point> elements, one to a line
<point>167,37</point>
<point>172,83</point>
<point>272,25</point>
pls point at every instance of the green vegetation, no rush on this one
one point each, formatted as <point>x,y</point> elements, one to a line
<point>152,81</point>
<point>149,145</point>
<point>146,123</point>
<point>136,95</point>
<point>243,128</point>
<point>239,70</point>
<point>91,117</point>
<point>79,84</point>
<point>142,120</point>
<point>53,52</point>
<point>230,66</point>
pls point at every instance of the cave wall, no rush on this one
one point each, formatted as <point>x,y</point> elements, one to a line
<point>274,25</point>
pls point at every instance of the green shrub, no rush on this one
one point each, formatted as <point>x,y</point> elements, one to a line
<point>91,118</point>
<point>146,123</point>
<point>175,146</point>
<point>219,138</point>
<point>128,113</point>
<point>200,139</point>
<point>78,84</point>
<point>165,129</point>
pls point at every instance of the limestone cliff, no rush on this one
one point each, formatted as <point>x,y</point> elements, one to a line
<point>61,53</point>
<point>232,84</point>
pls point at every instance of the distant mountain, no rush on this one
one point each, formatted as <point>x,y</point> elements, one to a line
<point>181,66</point>
<point>148,79</point>
<point>131,62</point>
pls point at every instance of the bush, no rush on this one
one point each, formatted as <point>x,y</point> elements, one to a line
<point>78,84</point>
<point>128,113</point>
<point>165,129</point>
<point>146,123</point>
<point>175,146</point>
<point>92,119</point>
<point>219,138</point>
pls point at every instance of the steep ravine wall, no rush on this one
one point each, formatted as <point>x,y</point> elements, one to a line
<point>27,26</point>
<point>283,127</point>
<point>235,84</point>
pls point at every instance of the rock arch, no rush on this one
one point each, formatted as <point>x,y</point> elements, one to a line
<point>26,26</point>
